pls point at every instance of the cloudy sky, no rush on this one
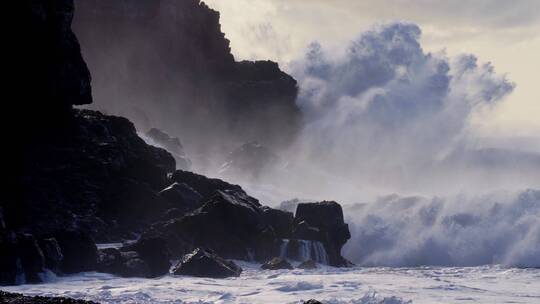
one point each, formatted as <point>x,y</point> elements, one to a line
<point>505,33</point>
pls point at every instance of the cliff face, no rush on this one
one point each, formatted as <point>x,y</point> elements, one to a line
<point>167,64</point>
<point>52,66</point>
<point>87,176</point>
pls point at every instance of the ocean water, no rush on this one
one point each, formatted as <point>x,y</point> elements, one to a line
<point>359,285</point>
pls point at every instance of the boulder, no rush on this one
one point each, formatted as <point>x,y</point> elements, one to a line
<point>136,267</point>
<point>52,253</point>
<point>229,223</point>
<point>182,196</point>
<point>277,263</point>
<point>110,261</point>
<point>327,218</point>
<point>78,249</point>
<point>309,264</point>
<point>312,301</point>
<point>205,263</point>
<point>125,264</point>
<point>9,260</point>
<point>154,252</point>
<point>20,255</point>
<point>31,257</point>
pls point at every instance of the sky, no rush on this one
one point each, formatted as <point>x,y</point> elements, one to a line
<point>505,33</point>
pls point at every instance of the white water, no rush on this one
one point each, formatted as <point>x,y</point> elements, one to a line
<point>485,284</point>
<point>307,250</point>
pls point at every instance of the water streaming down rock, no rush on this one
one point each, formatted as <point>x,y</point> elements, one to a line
<point>303,250</point>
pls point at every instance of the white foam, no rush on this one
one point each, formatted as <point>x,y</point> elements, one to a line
<point>486,284</point>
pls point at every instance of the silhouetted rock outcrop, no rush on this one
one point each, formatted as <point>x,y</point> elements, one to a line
<point>205,263</point>
<point>147,257</point>
<point>87,176</point>
<point>324,222</point>
<point>180,72</point>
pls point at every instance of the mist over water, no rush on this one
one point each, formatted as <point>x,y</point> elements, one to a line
<point>381,126</point>
<point>382,116</point>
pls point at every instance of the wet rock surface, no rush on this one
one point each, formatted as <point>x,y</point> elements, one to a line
<point>205,263</point>
<point>309,264</point>
<point>277,263</point>
<point>87,177</point>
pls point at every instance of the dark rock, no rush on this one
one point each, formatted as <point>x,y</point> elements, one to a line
<point>173,213</point>
<point>136,267</point>
<point>10,264</point>
<point>304,231</point>
<point>324,215</point>
<point>281,221</point>
<point>53,69</point>
<point>100,177</point>
<point>20,255</point>
<point>203,185</point>
<point>205,263</point>
<point>327,217</point>
<point>312,301</point>
<point>110,261</point>
<point>309,264</point>
<point>228,223</point>
<point>78,249</point>
<point>268,245</point>
<point>125,264</point>
<point>171,144</point>
<point>154,252</point>
<point>277,263</point>
<point>16,298</point>
<point>52,253</point>
<point>182,196</point>
<point>31,257</point>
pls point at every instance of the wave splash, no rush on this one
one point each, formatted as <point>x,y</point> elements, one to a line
<point>454,231</point>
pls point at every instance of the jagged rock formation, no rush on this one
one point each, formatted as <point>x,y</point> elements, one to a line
<point>166,64</point>
<point>323,222</point>
<point>205,263</point>
<point>236,226</point>
<point>86,176</point>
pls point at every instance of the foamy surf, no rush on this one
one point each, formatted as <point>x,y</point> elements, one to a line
<point>485,284</point>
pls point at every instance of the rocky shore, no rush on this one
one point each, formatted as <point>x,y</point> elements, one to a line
<point>88,179</point>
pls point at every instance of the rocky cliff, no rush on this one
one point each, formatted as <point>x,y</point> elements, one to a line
<point>88,177</point>
<point>167,64</point>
